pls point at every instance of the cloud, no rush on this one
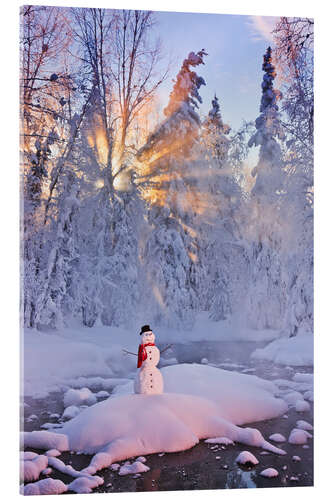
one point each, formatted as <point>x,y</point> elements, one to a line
<point>261,27</point>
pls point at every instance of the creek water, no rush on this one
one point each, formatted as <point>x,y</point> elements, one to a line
<point>204,466</point>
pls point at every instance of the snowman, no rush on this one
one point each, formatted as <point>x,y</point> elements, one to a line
<point>149,379</point>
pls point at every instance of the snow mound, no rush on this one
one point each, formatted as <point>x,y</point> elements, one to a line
<point>45,440</point>
<point>242,398</point>
<point>135,468</point>
<point>302,406</point>
<point>302,424</point>
<point>102,394</point>
<point>277,438</point>
<point>85,484</point>
<point>53,453</point>
<point>299,436</point>
<point>293,397</point>
<point>200,402</point>
<point>30,469</point>
<point>47,486</point>
<point>76,397</point>
<point>70,412</point>
<point>295,351</point>
<point>270,472</point>
<point>247,458</point>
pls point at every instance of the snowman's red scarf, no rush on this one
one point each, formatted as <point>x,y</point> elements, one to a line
<point>142,354</point>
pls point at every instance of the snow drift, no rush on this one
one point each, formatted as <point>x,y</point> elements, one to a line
<point>295,351</point>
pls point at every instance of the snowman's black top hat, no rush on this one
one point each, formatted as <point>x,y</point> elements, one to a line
<point>145,328</point>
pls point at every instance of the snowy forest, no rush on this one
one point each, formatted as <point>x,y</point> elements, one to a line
<point>130,212</point>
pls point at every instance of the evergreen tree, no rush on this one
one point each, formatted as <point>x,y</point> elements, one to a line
<point>54,297</point>
<point>215,133</point>
<point>265,303</point>
<point>268,172</point>
<point>169,254</point>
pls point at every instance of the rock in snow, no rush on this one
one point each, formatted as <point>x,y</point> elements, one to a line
<point>77,397</point>
<point>299,436</point>
<point>270,472</point>
<point>136,468</point>
<point>70,412</point>
<point>302,424</point>
<point>247,458</point>
<point>47,486</point>
<point>302,406</point>
<point>277,438</point>
<point>31,469</point>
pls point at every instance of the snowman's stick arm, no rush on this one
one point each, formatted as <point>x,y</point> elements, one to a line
<point>166,348</point>
<point>128,352</point>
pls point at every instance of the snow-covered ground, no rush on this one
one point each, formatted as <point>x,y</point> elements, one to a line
<point>200,401</point>
<point>51,360</point>
<point>295,351</point>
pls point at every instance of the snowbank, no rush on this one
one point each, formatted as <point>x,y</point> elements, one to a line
<point>295,351</point>
<point>53,360</point>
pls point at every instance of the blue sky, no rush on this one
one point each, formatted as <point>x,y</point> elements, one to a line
<point>235,45</point>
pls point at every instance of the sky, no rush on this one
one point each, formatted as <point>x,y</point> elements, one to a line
<point>235,45</point>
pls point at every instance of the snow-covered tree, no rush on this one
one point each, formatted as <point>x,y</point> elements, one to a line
<point>214,134</point>
<point>170,187</point>
<point>268,172</point>
<point>265,302</point>
<point>54,297</point>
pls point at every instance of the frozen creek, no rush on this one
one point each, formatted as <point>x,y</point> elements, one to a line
<point>205,466</point>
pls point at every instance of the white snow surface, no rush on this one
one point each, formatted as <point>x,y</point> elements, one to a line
<point>294,351</point>
<point>53,360</point>
<point>246,457</point>
<point>44,440</point>
<point>71,412</point>
<point>302,424</point>
<point>201,402</point>
<point>302,406</point>
<point>241,398</point>
<point>47,486</point>
<point>299,436</point>
<point>92,353</point>
<point>76,397</point>
<point>30,469</point>
<point>136,467</point>
<point>277,438</point>
<point>219,440</point>
<point>270,472</point>
<point>121,426</point>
